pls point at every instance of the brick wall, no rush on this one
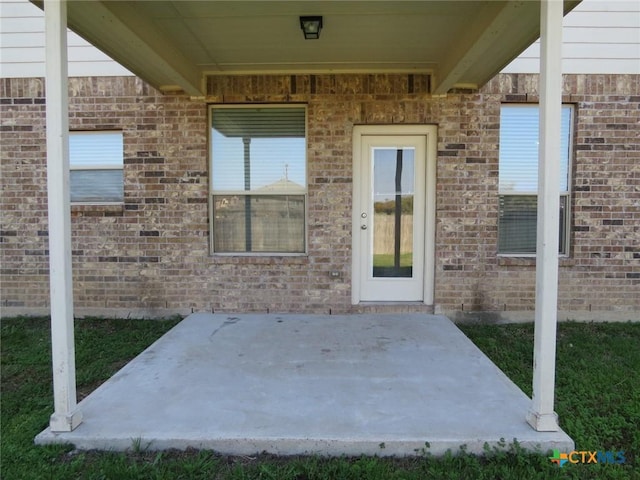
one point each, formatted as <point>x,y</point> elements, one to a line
<point>602,271</point>
<point>151,255</point>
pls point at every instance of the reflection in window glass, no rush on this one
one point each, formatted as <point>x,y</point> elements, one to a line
<point>393,192</point>
<point>258,170</point>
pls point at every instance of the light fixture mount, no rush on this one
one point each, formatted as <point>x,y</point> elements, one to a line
<point>311,26</point>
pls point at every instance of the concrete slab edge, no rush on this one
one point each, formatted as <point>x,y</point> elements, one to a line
<point>308,446</point>
<point>488,317</point>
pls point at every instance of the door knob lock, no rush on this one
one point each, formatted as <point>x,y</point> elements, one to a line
<point>363,227</point>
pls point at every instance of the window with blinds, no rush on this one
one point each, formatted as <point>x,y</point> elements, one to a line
<point>95,164</point>
<point>518,179</point>
<point>258,179</point>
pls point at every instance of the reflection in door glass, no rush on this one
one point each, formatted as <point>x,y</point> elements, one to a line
<point>393,190</point>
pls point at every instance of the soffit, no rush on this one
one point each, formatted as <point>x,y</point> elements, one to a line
<point>169,44</point>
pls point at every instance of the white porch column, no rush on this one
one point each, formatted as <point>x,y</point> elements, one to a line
<point>66,417</point>
<point>541,415</point>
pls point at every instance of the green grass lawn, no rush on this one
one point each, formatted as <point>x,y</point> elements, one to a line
<point>387,260</point>
<point>598,401</point>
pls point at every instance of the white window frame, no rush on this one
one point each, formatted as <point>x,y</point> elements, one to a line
<point>564,249</point>
<point>213,193</point>
<point>98,166</point>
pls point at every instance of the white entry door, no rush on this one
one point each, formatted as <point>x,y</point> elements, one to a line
<point>390,218</point>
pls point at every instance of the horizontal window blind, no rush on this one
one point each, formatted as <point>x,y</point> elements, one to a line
<point>96,186</point>
<point>260,122</point>
<point>518,221</point>
<point>276,225</point>
<point>518,162</point>
<point>89,150</point>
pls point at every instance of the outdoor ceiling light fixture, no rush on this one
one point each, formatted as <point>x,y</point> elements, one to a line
<point>311,27</point>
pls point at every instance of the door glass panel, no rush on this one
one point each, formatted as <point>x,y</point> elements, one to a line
<point>393,191</point>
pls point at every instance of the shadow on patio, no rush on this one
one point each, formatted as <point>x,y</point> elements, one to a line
<point>309,384</point>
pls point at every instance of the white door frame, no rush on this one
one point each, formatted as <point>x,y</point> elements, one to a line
<point>430,132</point>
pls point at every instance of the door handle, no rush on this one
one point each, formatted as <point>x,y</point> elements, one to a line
<point>363,227</point>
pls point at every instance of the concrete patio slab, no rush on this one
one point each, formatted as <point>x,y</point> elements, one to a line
<point>309,384</point>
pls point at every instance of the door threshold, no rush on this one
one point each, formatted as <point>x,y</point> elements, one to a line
<point>394,302</point>
<point>392,307</point>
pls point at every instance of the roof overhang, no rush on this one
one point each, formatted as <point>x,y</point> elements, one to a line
<point>177,44</point>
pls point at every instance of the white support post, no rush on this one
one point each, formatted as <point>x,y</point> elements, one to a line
<point>66,416</point>
<point>541,416</point>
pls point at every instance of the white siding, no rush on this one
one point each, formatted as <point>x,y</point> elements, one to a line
<point>22,52</point>
<point>599,36</point>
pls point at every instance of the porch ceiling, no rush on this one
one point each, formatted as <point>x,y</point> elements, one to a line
<point>173,44</point>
